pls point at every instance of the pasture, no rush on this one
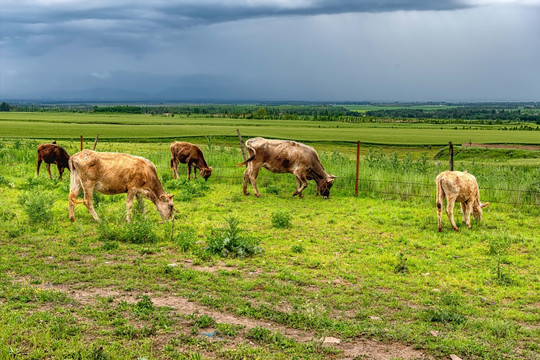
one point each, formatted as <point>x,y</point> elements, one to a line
<point>371,271</point>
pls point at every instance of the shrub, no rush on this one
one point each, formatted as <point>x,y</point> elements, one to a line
<point>228,241</point>
<point>144,307</point>
<point>401,266</point>
<point>297,249</point>
<point>281,219</point>
<point>139,231</point>
<point>37,206</point>
<point>185,238</point>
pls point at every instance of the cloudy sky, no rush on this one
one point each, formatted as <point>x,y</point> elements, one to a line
<point>317,50</point>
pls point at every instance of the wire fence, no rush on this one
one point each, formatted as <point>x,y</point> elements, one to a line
<point>396,188</point>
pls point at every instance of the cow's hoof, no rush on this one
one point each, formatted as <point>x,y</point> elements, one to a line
<point>455,229</point>
<point>72,219</point>
<point>440,230</point>
<point>258,195</point>
<point>246,194</point>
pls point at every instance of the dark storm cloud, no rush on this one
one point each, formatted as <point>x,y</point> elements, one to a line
<point>38,26</point>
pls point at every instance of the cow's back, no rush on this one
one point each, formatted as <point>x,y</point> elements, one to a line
<point>114,172</point>
<point>458,183</point>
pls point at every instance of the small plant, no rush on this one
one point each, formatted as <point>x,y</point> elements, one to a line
<point>272,189</point>
<point>228,329</point>
<point>185,238</point>
<point>205,321</point>
<point>109,245</point>
<point>401,266</point>
<point>259,333</point>
<point>229,241</point>
<point>297,249</point>
<point>281,219</point>
<point>444,316</point>
<point>144,307</point>
<point>37,206</point>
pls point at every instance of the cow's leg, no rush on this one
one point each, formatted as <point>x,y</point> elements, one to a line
<point>49,170</point>
<point>302,183</point>
<point>129,203</point>
<point>188,171</point>
<point>60,171</point>
<point>467,214</point>
<point>140,200</point>
<point>253,179</point>
<point>450,211</point>
<point>464,212</point>
<point>88,189</point>
<point>39,160</point>
<point>174,163</point>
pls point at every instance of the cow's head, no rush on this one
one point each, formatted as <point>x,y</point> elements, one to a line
<point>477,210</point>
<point>206,172</point>
<point>324,186</point>
<point>165,206</point>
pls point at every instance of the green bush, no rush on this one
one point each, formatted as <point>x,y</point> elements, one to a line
<point>139,231</point>
<point>228,241</point>
<point>37,206</point>
<point>185,238</point>
<point>281,219</point>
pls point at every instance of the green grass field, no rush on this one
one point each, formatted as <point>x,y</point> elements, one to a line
<point>371,271</point>
<point>71,126</point>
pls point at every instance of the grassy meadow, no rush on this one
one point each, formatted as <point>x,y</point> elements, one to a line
<point>238,277</point>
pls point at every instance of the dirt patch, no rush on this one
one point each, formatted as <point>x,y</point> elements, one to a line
<point>502,146</point>
<point>367,348</point>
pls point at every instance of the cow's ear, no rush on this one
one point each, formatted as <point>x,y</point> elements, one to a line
<point>484,205</point>
<point>332,176</point>
<point>171,196</point>
<point>210,168</point>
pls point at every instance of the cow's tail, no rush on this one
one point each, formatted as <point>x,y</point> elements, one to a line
<point>250,150</point>
<point>74,182</point>
<point>440,193</point>
<point>171,163</point>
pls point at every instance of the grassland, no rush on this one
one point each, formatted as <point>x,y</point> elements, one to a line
<point>371,270</point>
<point>143,127</point>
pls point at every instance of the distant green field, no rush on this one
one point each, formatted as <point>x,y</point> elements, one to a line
<point>70,126</point>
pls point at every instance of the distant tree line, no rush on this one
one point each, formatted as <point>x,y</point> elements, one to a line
<point>481,113</point>
<point>465,112</point>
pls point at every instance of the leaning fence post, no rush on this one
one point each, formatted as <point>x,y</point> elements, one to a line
<point>438,165</point>
<point>81,143</point>
<point>241,144</point>
<point>95,142</point>
<point>451,151</point>
<point>357,168</point>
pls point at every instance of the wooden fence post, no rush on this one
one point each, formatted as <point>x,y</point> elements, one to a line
<point>241,144</point>
<point>81,143</point>
<point>357,167</point>
<point>95,142</point>
<point>451,151</point>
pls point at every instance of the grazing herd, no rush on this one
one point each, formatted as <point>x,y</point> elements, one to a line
<point>117,173</point>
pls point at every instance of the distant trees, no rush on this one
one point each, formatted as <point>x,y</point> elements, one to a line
<point>4,106</point>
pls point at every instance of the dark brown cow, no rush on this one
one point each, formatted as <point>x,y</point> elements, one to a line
<point>52,154</point>
<point>463,188</point>
<point>190,154</point>
<point>284,156</point>
<point>116,173</point>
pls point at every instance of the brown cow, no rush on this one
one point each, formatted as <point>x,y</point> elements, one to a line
<point>190,154</point>
<point>284,156</point>
<point>52,154</point>
<point>116,173</point>
<point>463,188</point>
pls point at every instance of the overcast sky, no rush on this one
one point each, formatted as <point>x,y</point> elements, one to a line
<point>317,50</point>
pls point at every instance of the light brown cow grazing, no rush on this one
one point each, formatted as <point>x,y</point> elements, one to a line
<point>284,156</point>
<point>463,188</point>
<point>190,154</point>
<point>52,154</point>
<point>116,173</point>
